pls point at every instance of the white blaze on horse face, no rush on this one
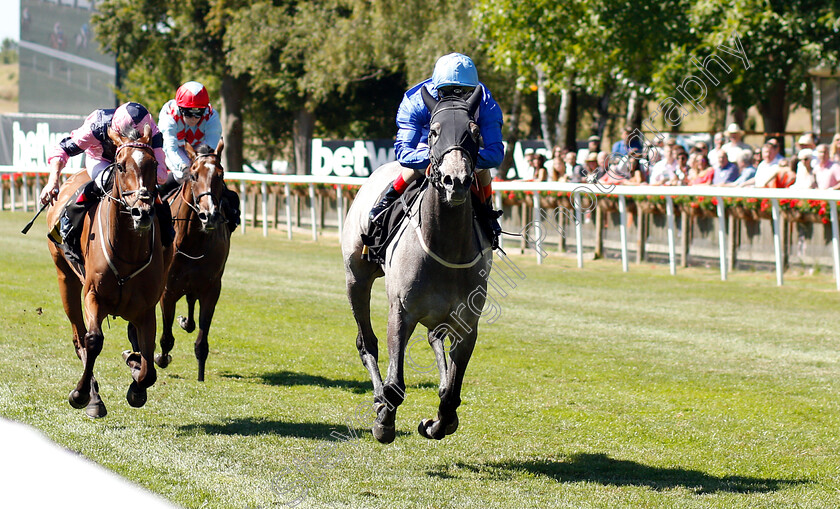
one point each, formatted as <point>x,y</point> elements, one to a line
<point>456,166</point>
<point>138,156</point>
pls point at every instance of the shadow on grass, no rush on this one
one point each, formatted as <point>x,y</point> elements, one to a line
<point>255,427</point>
<point>602,469</point>
<point>290,378</point>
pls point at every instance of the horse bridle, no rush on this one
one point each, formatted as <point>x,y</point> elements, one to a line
<point>465,144</point>
<point>121,200</point>
<point>195,199</point>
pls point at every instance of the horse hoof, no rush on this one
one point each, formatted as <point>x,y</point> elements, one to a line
<point>136,397</point>
<point>163,360</point>
<point>78,399</point>
<point>384,434</point>
<point>186,323</point>
<point>96,410</point>
<point>453,427</point>
<point>425,430</point>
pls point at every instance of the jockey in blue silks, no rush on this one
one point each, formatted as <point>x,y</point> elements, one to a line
<point>454,74</point>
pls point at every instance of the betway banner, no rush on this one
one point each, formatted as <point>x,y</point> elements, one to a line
<point>358,158</point>
<point>26,139</point>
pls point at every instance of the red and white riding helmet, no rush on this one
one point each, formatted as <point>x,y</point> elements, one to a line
<point>192,94</point>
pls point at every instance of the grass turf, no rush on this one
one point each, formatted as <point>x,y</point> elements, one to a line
<point>593,389</point>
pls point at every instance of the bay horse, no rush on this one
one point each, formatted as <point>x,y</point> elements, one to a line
<point>124,269</point>
<point>202,244</point>
<point>432,270</point>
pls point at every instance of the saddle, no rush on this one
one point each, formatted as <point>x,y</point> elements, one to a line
<point>377,239</point>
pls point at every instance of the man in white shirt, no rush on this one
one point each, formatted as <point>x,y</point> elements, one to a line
<point>664,170</point>
<point>769,165</point>
<point>713,154</point>
<point>735,146</point>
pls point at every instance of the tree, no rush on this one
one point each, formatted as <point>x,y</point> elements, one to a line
<point>160,44</point>
<point>782,41</point>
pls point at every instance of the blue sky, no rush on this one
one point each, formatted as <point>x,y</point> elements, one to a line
<point>10,21</point>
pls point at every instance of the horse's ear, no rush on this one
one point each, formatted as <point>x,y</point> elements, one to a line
<point>429,101</point>
<point>190,151</point>
<point>475,99</point>
<point>147,134</point>
<point>220,147</point>
<point>115,136</point>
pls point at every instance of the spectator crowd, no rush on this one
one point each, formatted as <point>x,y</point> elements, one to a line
<point>665,162</point>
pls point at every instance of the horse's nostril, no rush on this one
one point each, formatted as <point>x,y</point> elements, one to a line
<point>136,213</point>
<point>202,216</point>
<point>447,181</point>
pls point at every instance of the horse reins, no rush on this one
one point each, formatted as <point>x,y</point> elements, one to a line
<point>194,205</point>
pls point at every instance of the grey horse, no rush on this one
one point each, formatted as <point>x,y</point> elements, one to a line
<point>435,269</point>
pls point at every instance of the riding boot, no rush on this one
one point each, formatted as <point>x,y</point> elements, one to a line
<point>230,208</point>
<point>167,231</point>
<point>72,221</point>
<point>390,197</point>
<point>167,187</point>
<point>489,221</point>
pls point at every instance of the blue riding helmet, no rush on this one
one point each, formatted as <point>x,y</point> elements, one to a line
<point>454,69</point>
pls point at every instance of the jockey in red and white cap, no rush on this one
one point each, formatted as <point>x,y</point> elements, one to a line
<point>189,118</point>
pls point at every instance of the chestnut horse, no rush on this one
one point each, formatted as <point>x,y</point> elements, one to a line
<point>124,269</point>
<point>202,243</point>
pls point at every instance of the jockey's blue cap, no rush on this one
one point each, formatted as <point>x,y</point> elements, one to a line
<point>454,69</point>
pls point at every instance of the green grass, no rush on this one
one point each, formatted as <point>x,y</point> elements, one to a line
<point>594,389</point>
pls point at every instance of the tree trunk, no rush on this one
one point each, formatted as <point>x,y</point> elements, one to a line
<point>566,132</point>
<point>774,111</point>
<point>543,109</point>
<point>304,124</point>
<point>635,107</point>
<point>602,114</point>
<point>512,134</point>
<point>232,92</point>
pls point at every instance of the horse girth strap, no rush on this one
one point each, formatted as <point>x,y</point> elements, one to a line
<point>432,254</point>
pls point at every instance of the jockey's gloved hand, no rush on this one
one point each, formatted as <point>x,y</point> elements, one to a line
<point>168,186</point>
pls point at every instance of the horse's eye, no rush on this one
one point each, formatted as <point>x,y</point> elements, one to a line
<point>434,129</point>
<point>193,177</point>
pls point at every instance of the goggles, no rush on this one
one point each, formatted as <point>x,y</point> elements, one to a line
<point>192,112</point>
<point>462,92</point>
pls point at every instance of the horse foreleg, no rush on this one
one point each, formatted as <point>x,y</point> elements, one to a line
<point>450,399</point>
<point>146,375</point>
<point>186,322</point>
<point>91,347</point>
<point>207,303</point>
<point>167,340</point>
<point>400,327</point>
<point>436,340</point>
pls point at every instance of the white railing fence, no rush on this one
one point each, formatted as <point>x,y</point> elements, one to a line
<point>23,192</point>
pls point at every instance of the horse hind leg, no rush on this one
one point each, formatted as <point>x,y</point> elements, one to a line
<point>450,398</point>
<point>207,306</point>
<point>70,289</point>
<point>358,292</point>
<point>186,322</point>
<point>92,342</point>
<point>167,340</point>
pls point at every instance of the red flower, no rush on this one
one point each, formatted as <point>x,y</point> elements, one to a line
<point>752,200</point>
<point>701,198</point>
<point>765,204</point>
<point>825,220</point>
<point>821,211</point>
<point>511,196</point>
<point>714,201</point>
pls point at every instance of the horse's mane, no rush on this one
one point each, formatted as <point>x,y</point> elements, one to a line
<point>131,133</point>
<point>204,149</point>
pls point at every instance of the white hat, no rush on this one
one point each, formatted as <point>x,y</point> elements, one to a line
<point>806,139</point>
<point>805,153</point>
<point>734,128</point>
<point>529,151</point>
